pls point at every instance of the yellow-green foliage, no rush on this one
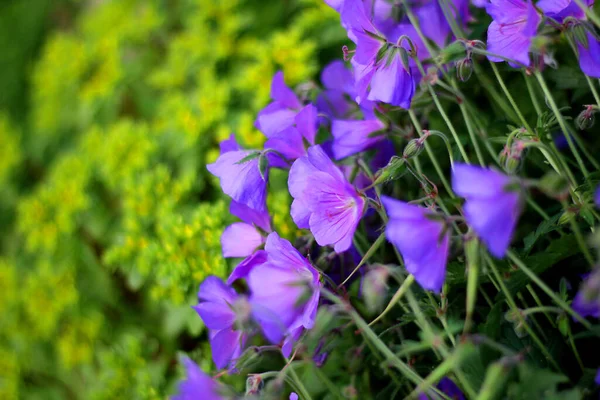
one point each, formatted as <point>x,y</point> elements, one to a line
<point>114,215</point>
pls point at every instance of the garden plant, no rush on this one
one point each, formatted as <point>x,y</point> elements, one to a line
<point>339,199</point>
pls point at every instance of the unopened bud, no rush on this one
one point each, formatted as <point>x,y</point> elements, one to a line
<point>414,148</point>
<point>585,120</point>
<point>580,34</point>
<point>454,51</point>
<point>374,287</point>
<point>254,384</point>
<point>566,217</point>
<point>393,170</point>
<point>464,69</point>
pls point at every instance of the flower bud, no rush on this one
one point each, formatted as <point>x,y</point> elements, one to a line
<point>464,69</point>
<point>374,287</point>
<point>393,170</point>
<point>567,216</point>
<point>413,148</point>
<point>254,384</point>
<point>585,120</point>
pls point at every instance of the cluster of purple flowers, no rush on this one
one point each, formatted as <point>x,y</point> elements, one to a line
<point>282,288</point>
<point>516,23</point>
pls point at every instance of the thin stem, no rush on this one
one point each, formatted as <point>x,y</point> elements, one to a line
<point>513,306</point>
<point>532,95</point>
<point>579,237</point>
<point>510,99</point>
<point>561,122</point>
<point>304,394</point>
<point>430,154</point>
<point>373,338</point>
<point>396,298</point>
<point>443,113</point>
<point>562,304</point>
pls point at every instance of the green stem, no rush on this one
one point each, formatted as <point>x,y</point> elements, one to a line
<point>513,306</point>
<point>443,113</point>
<point>561,122</point>
<point>562,304</point>
<point>532,95</point>
<point>304,394</point>
<point>373,338</point>
<point>430,154</point>
<point>396,298</point>
<point>579,237</point>
<point>510,99</point>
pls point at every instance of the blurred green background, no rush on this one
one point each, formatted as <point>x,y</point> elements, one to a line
<point>109,111</point>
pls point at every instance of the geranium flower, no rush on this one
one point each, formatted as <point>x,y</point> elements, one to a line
<point>285,292</point>
<point>222,309</point>
<point>493,204</point>
<point>197,384</point>
<point>422,240</point>
<point>240,239</point>
<point>324,201</point>
<point>511,32</point>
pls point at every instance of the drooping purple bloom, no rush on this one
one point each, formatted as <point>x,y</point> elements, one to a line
<point>240,239</point>
<point>392,81</point>
<point>511,32</point>
<point>324,201</point>
<point>493,204</point>
<point>589,50</point>
<point>561,9</point>
<point>197,384</point>
<point>240,177</point>
<point>589,55</point>
<point>422,240</point>
<point>279,114</point>
<point>449,388</point>
<point>351,137</point>
<point>221,308</point>
<point>587,300</point>
<point>285,292</point>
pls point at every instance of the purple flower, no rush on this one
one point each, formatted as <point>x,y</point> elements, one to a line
<point>392,81</point>
<point>290,142</point>
<point>284,290</point>
<point>293,396</point>
<point>449,388</point>
<point>197,385</point>
<point>492,206</point>
<point>240,239</point>
<point>279,114</point>
<point>241,179</point>
<point>243,269</point>
<point>221,308</point>
<point>597,197</point>
<point>587,300</point>
<point>389,79</point>
<point>338,98</point>
<point>324,201</point>
<point>351,137</point>
<point>561,9</point>
<point>589,55</point>
<point>421,238</point>
<point>511,32</point>
<point>597,379</point>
